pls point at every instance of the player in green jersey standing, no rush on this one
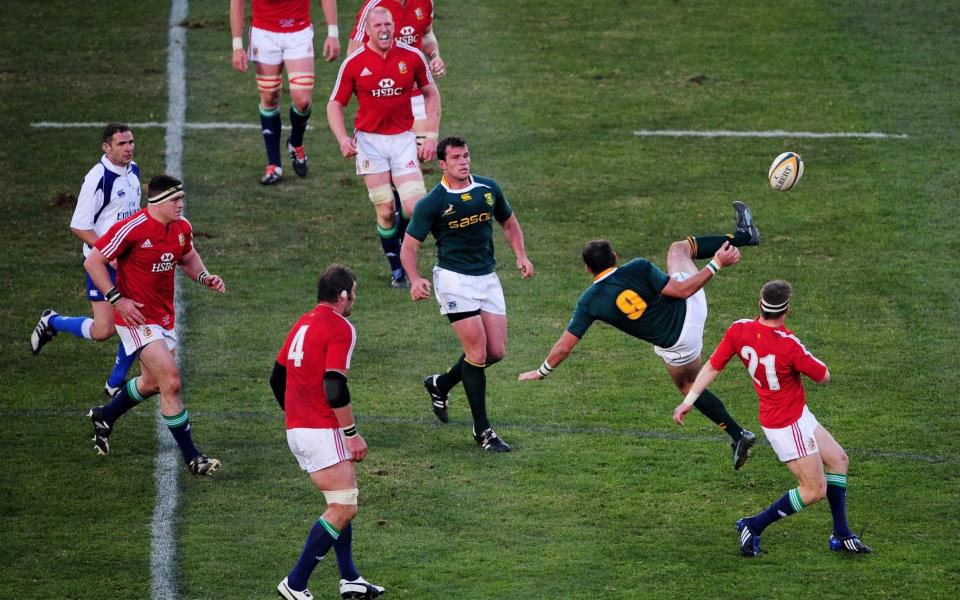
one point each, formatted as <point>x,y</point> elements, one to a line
<point>459,212</point>
<point>666,309</point>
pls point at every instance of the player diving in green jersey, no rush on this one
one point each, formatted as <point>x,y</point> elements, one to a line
<point>459,212</point>
<point>666,309</point>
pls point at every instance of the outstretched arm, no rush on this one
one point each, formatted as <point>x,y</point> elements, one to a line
<point>727,255</point>
<point>705,377</point>
<point>559,353</point>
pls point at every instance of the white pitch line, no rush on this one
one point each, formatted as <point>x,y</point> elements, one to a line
<point>767,134</point>
<point>163,541</point>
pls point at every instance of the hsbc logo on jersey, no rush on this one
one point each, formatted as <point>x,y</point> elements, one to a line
<point>386,89</point>
<point>408,35</point>
<point>166,263</point>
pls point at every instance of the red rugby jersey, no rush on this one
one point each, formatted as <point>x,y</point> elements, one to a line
<point>321,340</point>
<point>383,86</point>
<point>147,253</point>
<point>775,359</point>
<point>282,16</point>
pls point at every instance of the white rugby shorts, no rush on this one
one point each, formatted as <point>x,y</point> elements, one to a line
<point>796,440</point>
<point>377,153</point>
<point>135,337</point>
<point>457,293</point>
<point>317,449</point>
<point>272,48</point>
<point>690,343</point>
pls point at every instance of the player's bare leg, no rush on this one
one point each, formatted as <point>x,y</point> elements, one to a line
<point>104,325</point>
<point>300,73</point>
<point>495,329</point>
<point>473,337</point>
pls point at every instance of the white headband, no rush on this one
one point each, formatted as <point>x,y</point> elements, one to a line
<point>166,194</point>
<point>773,307</point>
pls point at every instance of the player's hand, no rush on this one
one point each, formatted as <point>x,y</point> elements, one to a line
<point>347,147</point>
<point>215,283</point>
<point>240,60</point>
<point>437,67</point>
<point>357,447</point>
<point>420,289</point>
<point>681,411</point>
<point>427,151</point>
<point>533,375</point>
<point>331,49</point>
<point>129,311</point>
<point>727,255</point>
<point>526,267</point>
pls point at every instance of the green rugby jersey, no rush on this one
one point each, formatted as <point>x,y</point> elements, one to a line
<point>461,222</point>
<point>628,297</point>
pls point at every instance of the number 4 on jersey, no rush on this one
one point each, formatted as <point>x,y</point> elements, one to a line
<point>296,346</point>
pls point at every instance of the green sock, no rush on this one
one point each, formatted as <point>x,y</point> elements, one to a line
<point>713,409</point>
<point>705,246</point>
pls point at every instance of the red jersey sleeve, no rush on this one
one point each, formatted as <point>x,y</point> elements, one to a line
<point>726,349</point>
<point>115,241</point>
<point>343,88</point>
<point>422,75</point>
<point>340,350</point>
<point>808,364</point>
<point>187,230</point>
<point>358,34</point>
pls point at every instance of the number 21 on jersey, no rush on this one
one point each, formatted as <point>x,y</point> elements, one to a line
<point>295,353</point>
<point>769,367</point>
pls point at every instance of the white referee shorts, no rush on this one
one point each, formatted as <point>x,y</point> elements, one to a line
<point>136,337</point>
<point>272,48</point>
<point>317,449</point>
<point>797,440</point>
<point>457,293</point>
<point>690,343</point>
<point>377,153</point>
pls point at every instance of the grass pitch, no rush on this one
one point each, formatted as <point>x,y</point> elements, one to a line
<point>603,496</point>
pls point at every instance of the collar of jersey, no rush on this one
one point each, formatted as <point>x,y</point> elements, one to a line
<point>473,184</point>
<point>114,168</point>
<point>604,274</point>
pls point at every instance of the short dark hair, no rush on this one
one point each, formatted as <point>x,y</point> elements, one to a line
<point>161,183</point>
<point>334,281</point>
<point>599,255</point>
<point>775,293</point>
<point>111,129</point>
<point>453,141</point>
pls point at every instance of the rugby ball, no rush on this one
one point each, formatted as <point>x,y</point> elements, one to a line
<point>786,171</point>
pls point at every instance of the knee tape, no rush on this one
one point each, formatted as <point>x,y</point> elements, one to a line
<point>411,189</point>
<point>381,194</point>
<point>342,496</point>
<point>300,80</point>
<point>269,83</point>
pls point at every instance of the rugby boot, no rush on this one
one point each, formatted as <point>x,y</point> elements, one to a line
<point>745,223</point>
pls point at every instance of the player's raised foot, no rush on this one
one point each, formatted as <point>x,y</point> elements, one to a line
<point>741,448</point>
<point>359,588</point>
<point>284,591</point>
<point>398,280</point>
<point>42,333</point>
<point>101,431</point>
<point>438,398</point>
<point>490,441</point>
<point>271,175</point>
<point>299,157</point>
<point>749,541</point>
<point>109,391</point>
<point>203,465</point>
<point>850,544</point>
<point>745,223</point>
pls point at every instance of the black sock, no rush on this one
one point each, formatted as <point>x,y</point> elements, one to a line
<point>475,386</point>
<point>298,124</point>
<point>452,377</point>
<point>705,246</point>
<point>713,409</point>
<point>270,125</point>
<point>390,242</point>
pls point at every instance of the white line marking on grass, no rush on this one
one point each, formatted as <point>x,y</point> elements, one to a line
<point>767,134</point>
<point>163,543</point>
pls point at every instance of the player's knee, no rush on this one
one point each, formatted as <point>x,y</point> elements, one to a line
<point>680,249</point>
<point>840,462</point>
<point>171,384</point>
<point>411,191</point>
<point>813,492</point>
<point>269,88</point>
<point>343,502</point>
<point>102,331</point>
<point>380,195</point>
